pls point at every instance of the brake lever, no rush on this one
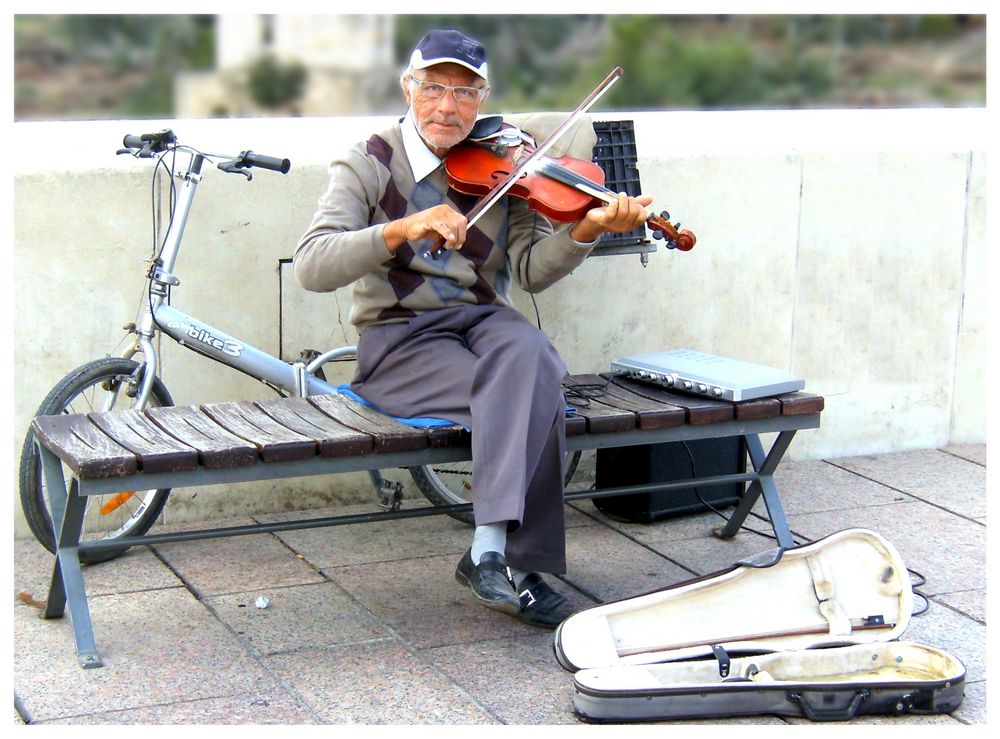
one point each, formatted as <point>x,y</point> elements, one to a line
<point>146,152</point>
<point>235,166</point>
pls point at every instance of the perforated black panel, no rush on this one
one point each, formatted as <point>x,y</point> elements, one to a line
<point>616,154</point>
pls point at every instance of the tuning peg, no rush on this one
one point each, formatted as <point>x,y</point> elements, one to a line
<point>671,244</point>
<point>664,215</point>
<point>657,235</point>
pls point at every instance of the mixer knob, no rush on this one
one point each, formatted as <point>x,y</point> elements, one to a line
<point>702,388</point>
<point>686,384</point>
<point>717,392</point>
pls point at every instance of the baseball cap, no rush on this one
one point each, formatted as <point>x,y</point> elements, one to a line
<point>437,47</point>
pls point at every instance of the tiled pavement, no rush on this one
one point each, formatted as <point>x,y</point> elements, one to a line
<point>366,623</point>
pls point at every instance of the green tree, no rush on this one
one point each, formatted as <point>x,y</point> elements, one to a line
<point>274,83</point>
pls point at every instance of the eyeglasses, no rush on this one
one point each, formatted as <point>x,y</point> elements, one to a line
<point>463,95</point>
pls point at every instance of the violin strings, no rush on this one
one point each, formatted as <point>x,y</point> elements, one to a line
<point>557,172</point>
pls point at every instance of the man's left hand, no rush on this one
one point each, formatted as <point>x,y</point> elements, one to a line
<point>620,216</point>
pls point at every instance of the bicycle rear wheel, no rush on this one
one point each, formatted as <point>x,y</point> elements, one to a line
<point>104,384</point>
<point>448,484</point>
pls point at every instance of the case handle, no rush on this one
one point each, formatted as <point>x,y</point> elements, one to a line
<point>823,713</point>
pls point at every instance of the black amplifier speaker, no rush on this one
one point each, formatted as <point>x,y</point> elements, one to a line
<point>670,462</point>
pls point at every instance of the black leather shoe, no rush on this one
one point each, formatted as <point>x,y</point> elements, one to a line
<point>540,604</point>
<point>489,582</point>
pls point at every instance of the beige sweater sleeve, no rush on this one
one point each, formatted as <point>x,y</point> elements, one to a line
<point>340,246</point>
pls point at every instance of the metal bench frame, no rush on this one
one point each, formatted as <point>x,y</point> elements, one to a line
<point>67,586</point>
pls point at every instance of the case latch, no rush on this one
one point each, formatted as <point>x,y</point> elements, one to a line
<point>723,657</point>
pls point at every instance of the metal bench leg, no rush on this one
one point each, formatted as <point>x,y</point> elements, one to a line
<point>67,579</point>
<point>764,485</point>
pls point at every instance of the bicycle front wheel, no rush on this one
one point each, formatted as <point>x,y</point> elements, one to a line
<point>448,484</point>
<point>101,385</point>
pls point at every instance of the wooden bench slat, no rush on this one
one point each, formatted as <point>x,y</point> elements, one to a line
<point>220,435</point>
<point>747,410</point>
<point>651,415</point>
<point>274,442</point>
<point>699,410</point>
<point>83,447</point>
<point>448,436</point>
<point>217,448</point>
<point>388,435</point>
<point>155,450</point>
<point>797,404</point>
<point>601,418</point>
<point>576,425</point>
<point>334,439</point>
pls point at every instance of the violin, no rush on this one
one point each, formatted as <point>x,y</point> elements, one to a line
<point>548,184</point>
<point>562,188</point>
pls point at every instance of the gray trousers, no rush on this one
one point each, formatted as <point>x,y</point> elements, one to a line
<point>489,369</point>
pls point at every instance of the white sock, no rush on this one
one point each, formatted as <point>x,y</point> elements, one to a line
<point>490,537</point>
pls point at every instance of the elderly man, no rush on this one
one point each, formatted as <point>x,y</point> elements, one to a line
<point>438,335</point>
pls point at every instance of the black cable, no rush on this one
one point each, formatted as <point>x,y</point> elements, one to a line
<point>527,268</point>
<point>583,393</point>
<point>919,580</point>
<point>158,244</point>
<point>917,576</point>
<point>720,514</point>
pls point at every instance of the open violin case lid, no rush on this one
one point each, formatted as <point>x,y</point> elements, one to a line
<point>807,631</point>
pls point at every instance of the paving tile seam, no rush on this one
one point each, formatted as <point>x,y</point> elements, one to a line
<point>128,709</point>
<point>579,588</point>
<point>298,555</point>
<point>404,644</point>
<point>631,538</point>
<point>280,683</point>
<point>456,554</point>
<point>265,589</point>
<point>914,496</point>
<point>187,583</point>
<point>292,651</point>
<point>616,527</point>
<point>914,500</point>
<point>964,459</point>
<point>415,653</point>
<point>240,641</point>
<point>960,612</point>
<point>138,591</point>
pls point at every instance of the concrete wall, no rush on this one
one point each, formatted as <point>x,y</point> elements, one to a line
<point>848,247</point>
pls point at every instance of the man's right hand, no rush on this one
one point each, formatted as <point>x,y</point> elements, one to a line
<point>442,222</point>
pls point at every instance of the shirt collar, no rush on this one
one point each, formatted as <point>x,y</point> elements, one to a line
<point>422,160</point>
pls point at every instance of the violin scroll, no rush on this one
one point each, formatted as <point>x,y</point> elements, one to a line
<point>682,239</point>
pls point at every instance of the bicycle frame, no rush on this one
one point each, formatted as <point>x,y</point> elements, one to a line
<point>297,378</point>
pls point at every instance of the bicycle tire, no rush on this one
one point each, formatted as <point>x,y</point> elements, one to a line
<point>448,484</point>
<point>132,517</point>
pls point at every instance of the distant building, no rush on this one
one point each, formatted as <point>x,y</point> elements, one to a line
<point>347,60</point>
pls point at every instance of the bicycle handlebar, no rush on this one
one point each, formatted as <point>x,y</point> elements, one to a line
<point>155,143</point>
<point>149,143</point>
<point>249,159</point>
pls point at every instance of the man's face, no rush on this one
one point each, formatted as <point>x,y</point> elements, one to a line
<point>443,122</point>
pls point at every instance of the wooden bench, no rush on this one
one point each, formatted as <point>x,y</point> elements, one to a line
<point>232,442</point>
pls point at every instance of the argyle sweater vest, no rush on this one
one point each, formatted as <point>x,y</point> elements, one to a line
<point>373,185</point>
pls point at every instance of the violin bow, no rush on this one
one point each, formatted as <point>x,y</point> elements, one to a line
<point>494,195</point>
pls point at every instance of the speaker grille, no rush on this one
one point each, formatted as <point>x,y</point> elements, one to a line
<point>671,462</point>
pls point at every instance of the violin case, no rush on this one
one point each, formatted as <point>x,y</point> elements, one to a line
<point>809,631</point>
